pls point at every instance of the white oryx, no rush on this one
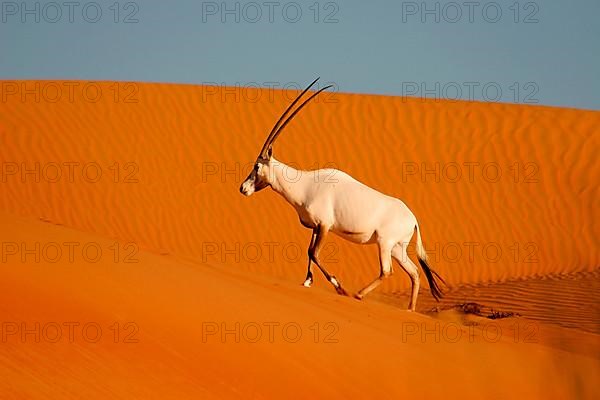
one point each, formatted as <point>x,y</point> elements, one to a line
<point>330,200</point>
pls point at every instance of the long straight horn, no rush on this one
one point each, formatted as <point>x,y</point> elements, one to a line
<point>270,138</point>
<point>296,112</point>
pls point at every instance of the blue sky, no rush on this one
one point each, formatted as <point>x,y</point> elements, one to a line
<point>538,52</point>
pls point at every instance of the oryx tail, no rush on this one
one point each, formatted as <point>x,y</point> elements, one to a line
<point>432,276</point>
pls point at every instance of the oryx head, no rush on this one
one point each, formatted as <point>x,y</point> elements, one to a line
<point>260,176</point>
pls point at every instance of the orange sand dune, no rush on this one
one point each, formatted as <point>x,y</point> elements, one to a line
<point>120,211</point>
<point>171,164</point>
<point>171,342</point>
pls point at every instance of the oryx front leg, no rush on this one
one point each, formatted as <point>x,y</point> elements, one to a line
<point>385,264</point>
<point>321,233</point>
<point>309,276</point>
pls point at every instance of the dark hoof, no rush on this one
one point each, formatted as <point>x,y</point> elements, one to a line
<point>340,290</point>
<point>338,287</point>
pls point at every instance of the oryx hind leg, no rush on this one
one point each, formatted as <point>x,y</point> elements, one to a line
<point>400,254</point>
<point>385,265</point>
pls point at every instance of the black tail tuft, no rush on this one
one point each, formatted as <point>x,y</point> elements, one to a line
<point>432,278</point>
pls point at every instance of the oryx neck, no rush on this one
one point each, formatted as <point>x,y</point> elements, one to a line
<point>287,181</point>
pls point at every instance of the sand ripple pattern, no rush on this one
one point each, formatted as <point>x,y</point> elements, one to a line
<point>479,177</point>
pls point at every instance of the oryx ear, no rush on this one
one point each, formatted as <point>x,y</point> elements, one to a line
<point>270,152</point>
